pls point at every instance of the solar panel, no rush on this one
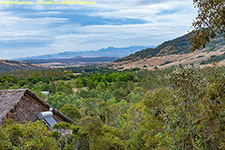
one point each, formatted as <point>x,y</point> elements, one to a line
<point>50,121</point>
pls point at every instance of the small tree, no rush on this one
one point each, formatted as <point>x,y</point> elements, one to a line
<point>71,111</point>
<point>209,22</point>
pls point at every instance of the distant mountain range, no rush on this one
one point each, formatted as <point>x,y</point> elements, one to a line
<point>173,53</point>
<point>105,52</point>
<point>68,59</point>
<point>170,53</point>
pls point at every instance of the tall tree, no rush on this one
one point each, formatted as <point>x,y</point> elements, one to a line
<point>209,22</point>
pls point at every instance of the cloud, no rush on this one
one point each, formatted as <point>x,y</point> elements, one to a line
<point>37,30</point>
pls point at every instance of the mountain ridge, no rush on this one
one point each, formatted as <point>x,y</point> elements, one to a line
<point>104,52</point>
<point>173,53</point>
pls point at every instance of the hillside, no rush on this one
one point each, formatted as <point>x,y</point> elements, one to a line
<point>11,65</point>
<point>174,53</point>
<point>105,52</point>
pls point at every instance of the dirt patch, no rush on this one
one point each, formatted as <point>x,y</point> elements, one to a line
<point>79,89</point>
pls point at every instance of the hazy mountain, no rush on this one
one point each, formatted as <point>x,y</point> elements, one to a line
<point>107,52</point>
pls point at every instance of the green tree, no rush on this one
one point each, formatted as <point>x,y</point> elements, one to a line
<point>93,126</point>
<point>29,136</point>
<point>209,22</point>
<point>71,111</point>
<point>198,109</point>
<point>59,99</point>
<point>110,139</point>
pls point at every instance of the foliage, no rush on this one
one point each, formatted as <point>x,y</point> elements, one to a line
<point>29,136</point>
<point>175,108</point>
<point>209,22</point>
<point>71,111</point>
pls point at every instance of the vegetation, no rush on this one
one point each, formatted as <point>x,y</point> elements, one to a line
<point>209,23</point>
<point>175,108</point>
<point>214,58</point>
<point>29,136</point>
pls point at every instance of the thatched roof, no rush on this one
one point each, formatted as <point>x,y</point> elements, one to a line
<point>9,98</point>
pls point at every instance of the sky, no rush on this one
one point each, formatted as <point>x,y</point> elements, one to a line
<point>30,30</point>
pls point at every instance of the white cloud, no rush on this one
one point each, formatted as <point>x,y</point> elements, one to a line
<point>50,13</point>
<point>14,27</point>
<point>165,19</point>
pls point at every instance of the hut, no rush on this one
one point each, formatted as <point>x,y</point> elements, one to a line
<point>23,105</point>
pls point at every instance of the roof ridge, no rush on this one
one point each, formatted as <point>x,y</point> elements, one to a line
<point>22,90</point>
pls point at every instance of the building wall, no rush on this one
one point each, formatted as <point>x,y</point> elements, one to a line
<point>27,110</point>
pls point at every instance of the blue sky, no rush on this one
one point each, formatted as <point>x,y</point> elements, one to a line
<point>29,30</point>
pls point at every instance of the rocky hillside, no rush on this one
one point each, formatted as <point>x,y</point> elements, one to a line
<point>10,65</point>
<point>174,53</point>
